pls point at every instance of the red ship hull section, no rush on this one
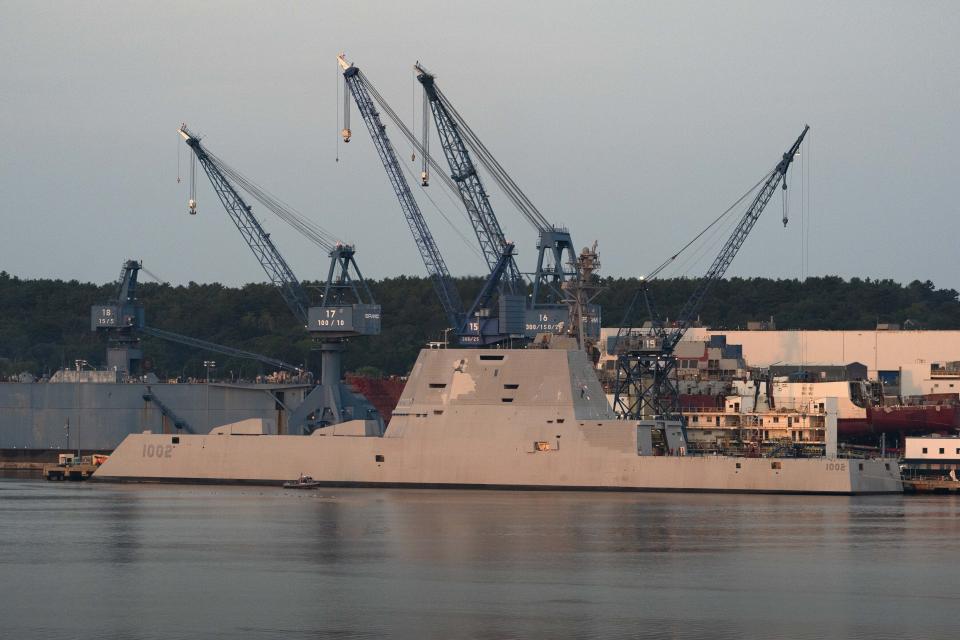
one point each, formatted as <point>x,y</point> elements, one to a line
<point>383,393</point>
<point>919,419</point>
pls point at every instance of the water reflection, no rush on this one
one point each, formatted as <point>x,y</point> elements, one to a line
<point>119,519</point>
<point>179,562</point>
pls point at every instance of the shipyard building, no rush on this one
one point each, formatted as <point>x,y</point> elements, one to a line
<point>764,389</point>
<point>920,362</point>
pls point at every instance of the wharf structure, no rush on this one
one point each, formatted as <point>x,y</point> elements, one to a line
<point>40,419</point>
<point>931,464</point>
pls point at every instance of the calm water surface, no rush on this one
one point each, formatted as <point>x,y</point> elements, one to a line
<point>116,561</point>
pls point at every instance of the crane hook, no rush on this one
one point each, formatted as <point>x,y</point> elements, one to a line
<point>786,217</point>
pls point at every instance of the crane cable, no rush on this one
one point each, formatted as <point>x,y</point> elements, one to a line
<point>193,183</point>
<point>710,244</point>
<point>426,194</point>
<point>336,109</point>
<point>496,170</point>
<point>625,323</point>
<point>153,275</point>
<point>312,231</point>
<point>665,263</point>
<point>413,115</point>
<point>346,111</point>
<point>412,139</point>
<point>425,142</point>
<point>808,171</point>
<point>408,133</point>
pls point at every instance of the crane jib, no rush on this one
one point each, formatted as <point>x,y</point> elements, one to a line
<point>273,263</point>
<point>471,328</point>
<point>485,224</point>
<point>423,238</point>
<point>739,235</point>
<point>645,373</point>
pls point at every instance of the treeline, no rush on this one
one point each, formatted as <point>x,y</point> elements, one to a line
<point>45,324</point>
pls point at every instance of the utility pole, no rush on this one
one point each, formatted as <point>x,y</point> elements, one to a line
<point>79,364</point>
<point>209,364</point>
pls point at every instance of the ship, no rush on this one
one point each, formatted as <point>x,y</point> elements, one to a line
<point>773,410</point>
<point>923,415</point>
<point>768,413</point>
<point>488,419</point>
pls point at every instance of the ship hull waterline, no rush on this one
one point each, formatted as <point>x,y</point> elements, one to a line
<point>347,461</point>
<point>530,419</point>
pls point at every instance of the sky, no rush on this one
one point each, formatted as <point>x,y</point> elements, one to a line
<point>632,123</point>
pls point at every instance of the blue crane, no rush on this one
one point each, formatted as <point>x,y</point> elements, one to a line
<point>559,289</point>
<point>331,322</point>
<point>463,172</point>
<point>275,266</point>
<point>646,364</point>
<point>335,317</point>
<point>123,319</point>
<point>473,327</point>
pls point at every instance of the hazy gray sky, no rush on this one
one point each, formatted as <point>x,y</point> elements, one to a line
<point>633,123</point>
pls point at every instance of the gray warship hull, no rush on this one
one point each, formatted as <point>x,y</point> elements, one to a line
<point>518,419</point>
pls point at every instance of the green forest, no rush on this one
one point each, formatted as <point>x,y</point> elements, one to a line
<point>46,323</point>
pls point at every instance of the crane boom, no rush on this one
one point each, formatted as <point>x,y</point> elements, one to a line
<point>331,323</point>
<point>273,263</point>
<point>426,245</point>
<point>464,173</point>
<point>550,307</point>
<point>206,345</point>
<point>123,319</point>
<point>732,246</point>
<point>646,368</point>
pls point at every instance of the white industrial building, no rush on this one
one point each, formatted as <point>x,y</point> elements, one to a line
<point>932,449</point>
<point>925,361</point>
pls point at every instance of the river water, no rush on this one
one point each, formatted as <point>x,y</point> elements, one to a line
<point>126,561</point>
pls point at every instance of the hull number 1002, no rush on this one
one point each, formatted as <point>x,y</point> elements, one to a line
<point>157,451</point>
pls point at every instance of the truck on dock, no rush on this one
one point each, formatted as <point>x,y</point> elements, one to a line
<point>72,467</point>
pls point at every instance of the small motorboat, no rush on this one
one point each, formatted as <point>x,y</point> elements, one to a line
<point>303,482</point>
